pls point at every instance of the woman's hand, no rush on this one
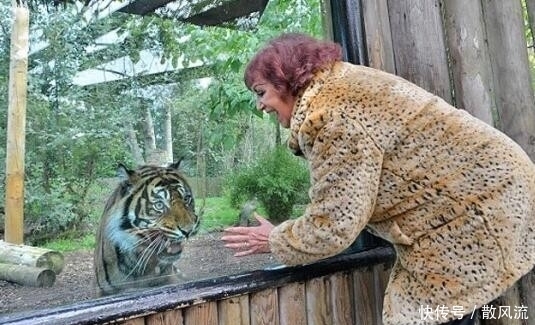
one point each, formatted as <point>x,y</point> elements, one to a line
<point>249,240</point>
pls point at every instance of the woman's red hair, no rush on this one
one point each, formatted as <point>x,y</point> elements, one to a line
<point>290,61</point>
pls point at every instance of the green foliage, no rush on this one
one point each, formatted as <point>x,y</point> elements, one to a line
<point>278,180</point>
<point>62,211</point>
<point>75,135</point>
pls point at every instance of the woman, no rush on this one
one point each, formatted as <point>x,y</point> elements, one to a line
<point>453,195</point>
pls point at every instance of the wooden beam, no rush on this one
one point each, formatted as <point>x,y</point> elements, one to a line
<point>198,14</point>
<point>227,12</point>
<point>16,126</point>
<point>143,7</point>
<point>167,77</point>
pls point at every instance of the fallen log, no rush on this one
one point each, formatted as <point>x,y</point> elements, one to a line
<point>27,275</point>
<point>31,256</point>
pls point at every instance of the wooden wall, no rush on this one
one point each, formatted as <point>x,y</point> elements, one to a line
<point>342,298</point>
<point>474,55</point>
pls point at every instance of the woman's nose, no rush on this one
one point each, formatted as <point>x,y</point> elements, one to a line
<point>260,105</point>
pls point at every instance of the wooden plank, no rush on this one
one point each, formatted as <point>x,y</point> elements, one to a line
<point>364,297</point>
<point>205,313</point>
<point>419,47</point>
<point>342,298</point>
<point>292,304</point>
<point>381,276</point>
<point>510,298</point>
<point>470,60</point>
<point>511,73</point>
<point>318,301</point>
<point>234,311</point>
<point>264,307</point>
<point>134,321</point>
<point>378,35</point>
<point>527,296</point>
<point>170,317</point>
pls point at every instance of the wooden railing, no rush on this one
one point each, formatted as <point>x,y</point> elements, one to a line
<point>346,289</point>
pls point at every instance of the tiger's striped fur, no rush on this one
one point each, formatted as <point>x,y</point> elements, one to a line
<point>142,229</point>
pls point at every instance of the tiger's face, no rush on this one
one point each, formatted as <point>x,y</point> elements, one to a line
<point>149,221</point>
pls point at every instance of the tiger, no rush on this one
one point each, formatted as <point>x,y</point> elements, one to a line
<point>143,228</point>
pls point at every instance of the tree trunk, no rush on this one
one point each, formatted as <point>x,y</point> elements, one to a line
<point>31,256</point>
<point>27,275</point>
<point>148,129</point>
<point>278,137</point>
<point>16,126</point>
<point>168,134</point>
<point>530,5</point>
<point>201,165</point>
<point>133,144</point>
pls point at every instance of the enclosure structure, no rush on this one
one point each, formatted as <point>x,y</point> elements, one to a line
<point>347,289</point>
<point>474,55</point>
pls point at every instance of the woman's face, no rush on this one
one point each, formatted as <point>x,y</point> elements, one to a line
<point>269,100</point>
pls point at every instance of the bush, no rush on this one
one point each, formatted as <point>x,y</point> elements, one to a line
<point>278,180</point>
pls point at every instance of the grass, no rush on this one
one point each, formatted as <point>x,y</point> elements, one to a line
<point>73,244</point>
<point>218,214</point>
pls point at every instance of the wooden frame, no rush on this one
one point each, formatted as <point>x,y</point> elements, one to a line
<point>342,288</point>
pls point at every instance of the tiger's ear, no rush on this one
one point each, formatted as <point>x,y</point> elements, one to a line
<point>176,164</point>
<point>125,174</point>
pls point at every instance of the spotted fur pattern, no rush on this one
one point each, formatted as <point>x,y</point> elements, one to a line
<point>143,228</point>
<point>454,196</point>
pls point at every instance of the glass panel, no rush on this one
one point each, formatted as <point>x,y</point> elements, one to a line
<point>107,87</point>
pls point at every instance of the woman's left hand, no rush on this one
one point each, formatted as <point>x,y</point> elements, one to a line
<point>249,240</point>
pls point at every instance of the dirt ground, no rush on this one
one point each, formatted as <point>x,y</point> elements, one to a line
<point>204,257</point>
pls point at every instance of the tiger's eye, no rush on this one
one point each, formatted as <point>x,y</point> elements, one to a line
<point>159,206</point>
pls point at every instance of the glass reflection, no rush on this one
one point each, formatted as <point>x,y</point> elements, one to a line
<point>114,87</point>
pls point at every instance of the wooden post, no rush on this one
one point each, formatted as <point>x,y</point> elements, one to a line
<point>470,61</point>
<point>419,46</point>
<point>511,73</point>
<point>530,7</point>
<point>16,126</point>
<point>378,35</point>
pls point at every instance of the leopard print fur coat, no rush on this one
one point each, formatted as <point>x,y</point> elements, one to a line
<point>454,196</point>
